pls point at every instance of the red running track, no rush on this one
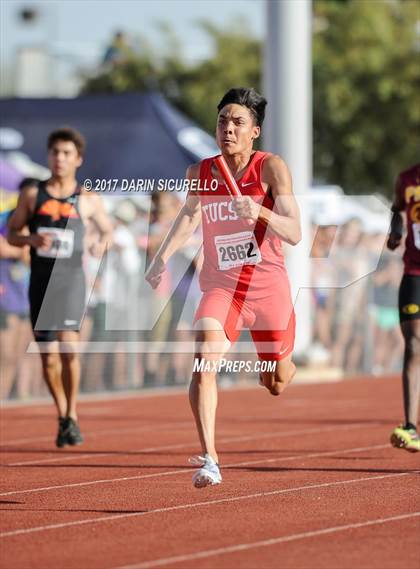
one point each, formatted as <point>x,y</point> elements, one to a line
<point>310,482</point>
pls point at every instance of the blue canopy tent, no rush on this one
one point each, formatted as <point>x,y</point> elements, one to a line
<point>129,136</point>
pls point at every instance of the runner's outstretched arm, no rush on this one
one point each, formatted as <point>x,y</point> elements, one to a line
<point>181,230</point>
<point>397,222</point>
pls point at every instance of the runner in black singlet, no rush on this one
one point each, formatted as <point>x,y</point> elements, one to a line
<point>55,212</point>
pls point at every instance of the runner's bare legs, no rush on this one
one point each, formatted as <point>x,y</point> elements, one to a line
<point>52,370</point>
<point>70,361</point>
<point>411,370</point>
<point>212,345</point>
<point>277,381</point>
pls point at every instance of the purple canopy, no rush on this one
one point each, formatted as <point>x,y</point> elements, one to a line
<point>15,291</point>
<point>10,178</point>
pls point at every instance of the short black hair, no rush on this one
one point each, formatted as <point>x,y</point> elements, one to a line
<point>249,98</point>
<point>68,134</point>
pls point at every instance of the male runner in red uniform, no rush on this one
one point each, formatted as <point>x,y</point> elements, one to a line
<point>243,278</point>
<point>407,199</point>
<point>56,212</point>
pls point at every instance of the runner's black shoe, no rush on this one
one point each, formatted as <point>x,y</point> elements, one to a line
<point>72,432</point>
<point>61,439</point>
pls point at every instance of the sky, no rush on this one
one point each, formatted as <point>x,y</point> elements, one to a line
<point>82,28</point>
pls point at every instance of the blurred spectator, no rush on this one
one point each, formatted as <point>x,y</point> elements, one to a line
<point>350,263</point>
<point>120,279</point>
<point>112,284</point>
<point>140,229</point>
<point>185,299</point>
<point>15,330</point>
<point>165,207</point>
<point>117,51</point>
<point>387,338</point>
<point>94,375</point>
<point>20,372</point>
<point>324,282</point>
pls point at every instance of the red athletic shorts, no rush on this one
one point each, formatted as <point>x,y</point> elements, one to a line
<point>271,320</point>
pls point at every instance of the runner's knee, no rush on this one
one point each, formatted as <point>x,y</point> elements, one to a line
<point>211,341</point>
<point>282,377</point>
<point>412,346</point>
<point>50,362</point>
<point>68,357</point>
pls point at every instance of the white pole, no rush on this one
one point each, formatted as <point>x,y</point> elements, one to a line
<point>288,130</point>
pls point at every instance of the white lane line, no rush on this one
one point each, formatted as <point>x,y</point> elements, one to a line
<point>185,470</point>
<point>193,443</point>
<point>266,542</point>
<point>96,434</point>
<point>88,399</point>
<point>127,397</point>
<point>101,519</point>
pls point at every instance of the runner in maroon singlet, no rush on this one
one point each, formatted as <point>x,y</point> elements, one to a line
<point>407,200</point>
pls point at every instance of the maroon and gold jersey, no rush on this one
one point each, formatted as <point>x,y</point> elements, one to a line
<point>408,195</point>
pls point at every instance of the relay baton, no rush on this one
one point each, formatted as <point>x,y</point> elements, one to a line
<point>231,185</point>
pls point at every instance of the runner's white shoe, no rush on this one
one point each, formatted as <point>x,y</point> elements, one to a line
<point>208,474</point>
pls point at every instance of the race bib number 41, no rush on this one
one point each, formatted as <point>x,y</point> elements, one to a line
<point>237,249</point>
<point>61,245</point>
